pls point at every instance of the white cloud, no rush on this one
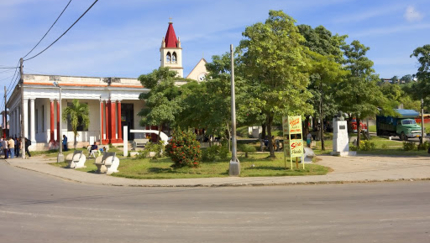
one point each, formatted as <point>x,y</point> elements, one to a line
<point>412,15</point>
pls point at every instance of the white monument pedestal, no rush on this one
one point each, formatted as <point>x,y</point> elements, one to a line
<point>340,139</point>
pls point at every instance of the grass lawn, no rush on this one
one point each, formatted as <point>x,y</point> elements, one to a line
<point>160,169</point>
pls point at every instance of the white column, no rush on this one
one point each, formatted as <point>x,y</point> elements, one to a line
<point>32,122</point>
<point>18,120</point>
<point>25,118</point>
<point>12,122</point>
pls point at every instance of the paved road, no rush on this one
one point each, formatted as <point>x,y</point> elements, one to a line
<point>38,208</point>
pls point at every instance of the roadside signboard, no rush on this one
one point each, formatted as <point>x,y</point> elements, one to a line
<point>293,140</point>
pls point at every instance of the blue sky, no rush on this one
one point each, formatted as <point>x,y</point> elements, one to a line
<point>122,38</point>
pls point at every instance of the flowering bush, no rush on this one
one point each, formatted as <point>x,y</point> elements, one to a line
<point>184,149</point>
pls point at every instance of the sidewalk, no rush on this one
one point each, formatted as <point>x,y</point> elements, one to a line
<point>357,169</point>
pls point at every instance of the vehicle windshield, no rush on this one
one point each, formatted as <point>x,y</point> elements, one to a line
<point>408,122</point>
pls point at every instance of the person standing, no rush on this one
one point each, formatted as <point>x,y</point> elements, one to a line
<point>27,144</point>
<point>309,139</point>
<point>64,143</point>
<point>17,146</point>
<point>11,144</point>
<point>5,148</point>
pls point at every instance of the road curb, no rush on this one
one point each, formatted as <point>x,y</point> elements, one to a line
<point>335,182</point>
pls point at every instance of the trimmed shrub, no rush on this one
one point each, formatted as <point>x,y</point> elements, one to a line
<point>409,146</point>
<point>366,145</point>
<point>157,148</point>
<point>424,146</point>
<point>184,149</point>
<point>215,152</point>
<point>247,149</point>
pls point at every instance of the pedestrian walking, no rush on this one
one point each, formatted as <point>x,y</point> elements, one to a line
<point>27,144</point>
<point>64,143</point>
<point>11,144</point>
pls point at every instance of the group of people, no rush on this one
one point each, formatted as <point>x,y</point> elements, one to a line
<point>12,147</point>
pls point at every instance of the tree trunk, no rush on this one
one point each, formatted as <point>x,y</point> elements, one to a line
<point>321,119</point>
<point>76,141</point>
<point>269,131</point>
<point>306,130</point>
<point>159,131</point>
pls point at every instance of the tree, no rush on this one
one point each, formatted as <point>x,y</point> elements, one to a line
<point>274,64</point>
<point>207,105</point>
<point>406,78</point>
<point>360,95</point>
<point>395,80</point>
<point>161,102</point>
<point>421,89</point>
<point>78,113</point>
<point>325,70</point>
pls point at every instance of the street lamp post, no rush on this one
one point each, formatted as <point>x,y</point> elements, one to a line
<point>60,157</point>
<point>234,168</point>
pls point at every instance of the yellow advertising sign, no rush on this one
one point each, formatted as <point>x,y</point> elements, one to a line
<point>296,148</point>
<point>295,124</point>
<point>293,140</point>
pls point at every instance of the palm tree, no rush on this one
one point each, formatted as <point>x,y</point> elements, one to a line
<point>79,115</point>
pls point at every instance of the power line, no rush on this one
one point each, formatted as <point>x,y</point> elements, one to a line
<point>48,29</point>
<point>63,33</point>
<point>8,67</point>
<point>13,77</point>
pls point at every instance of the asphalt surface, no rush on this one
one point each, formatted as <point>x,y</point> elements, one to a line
<point>36,207</point>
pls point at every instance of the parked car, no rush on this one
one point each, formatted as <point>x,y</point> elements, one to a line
<point>363,126</point>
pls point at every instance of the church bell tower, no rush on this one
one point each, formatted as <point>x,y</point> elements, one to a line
<point>171,52</point>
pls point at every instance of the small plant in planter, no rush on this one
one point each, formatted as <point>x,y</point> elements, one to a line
<point>184,149</point>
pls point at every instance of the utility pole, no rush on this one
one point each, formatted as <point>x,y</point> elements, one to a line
<point>21,81</point>
<point>422,122</point>
<point>5,114</point>
<point>234,168</point>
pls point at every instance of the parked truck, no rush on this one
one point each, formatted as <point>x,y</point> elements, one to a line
<point>402,125</point>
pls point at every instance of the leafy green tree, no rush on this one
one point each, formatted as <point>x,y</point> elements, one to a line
<point>421,89</point>
<point>395,80</point>
<point>207,105</point>
<point>161,102</point>
<point>406,78</point>
<point>360,95</point>
<point>325,70</point>
<point>393,93</point>
<point>274,64</point>
<point>78,113</point>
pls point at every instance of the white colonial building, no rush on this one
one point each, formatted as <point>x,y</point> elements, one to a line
<point>113,103</point>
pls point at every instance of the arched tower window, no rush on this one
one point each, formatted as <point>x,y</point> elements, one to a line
<point>168,57</point>
<point>174,57</point>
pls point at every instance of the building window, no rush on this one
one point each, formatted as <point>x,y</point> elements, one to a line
<point>174,57</point>
<point>168,57</point>
<point>37,120</point>
<point>43,118</point>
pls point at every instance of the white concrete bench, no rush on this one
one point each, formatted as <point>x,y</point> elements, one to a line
<point>139,142</point>
<point>108,163</point>
<point>76,160</point>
